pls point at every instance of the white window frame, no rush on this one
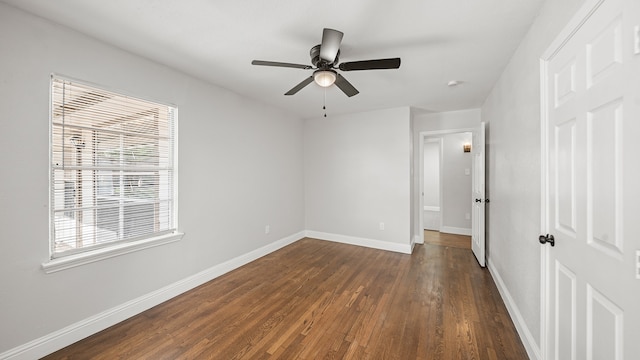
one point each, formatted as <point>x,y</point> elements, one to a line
<point>69,259</point>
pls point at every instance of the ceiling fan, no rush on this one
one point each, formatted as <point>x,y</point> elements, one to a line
<point>324,58</point>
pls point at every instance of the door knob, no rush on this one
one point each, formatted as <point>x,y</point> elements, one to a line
<point>478,200</point>
<point>547,239</point>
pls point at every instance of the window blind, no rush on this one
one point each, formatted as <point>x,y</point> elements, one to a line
<point>112,168</point>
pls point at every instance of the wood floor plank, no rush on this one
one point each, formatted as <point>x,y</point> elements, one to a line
<point>322,300</point>
<point>445,239</point>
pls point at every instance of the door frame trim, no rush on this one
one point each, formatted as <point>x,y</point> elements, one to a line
<point>561,39</point>
<point>423,134</point>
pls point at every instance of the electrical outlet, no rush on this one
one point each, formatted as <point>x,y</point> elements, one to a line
<point>267,229</point>
<point>381,226</point>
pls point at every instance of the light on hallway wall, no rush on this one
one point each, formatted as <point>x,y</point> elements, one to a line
<point>466,147</point>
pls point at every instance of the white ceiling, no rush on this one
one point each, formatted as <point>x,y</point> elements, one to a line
<point>215,40</point>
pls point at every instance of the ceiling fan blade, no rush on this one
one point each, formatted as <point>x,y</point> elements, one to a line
<point>377,64</point>
<point>331,40</point>
<point>345,86</point>
<point>281,64</point>
<point>299,87</point>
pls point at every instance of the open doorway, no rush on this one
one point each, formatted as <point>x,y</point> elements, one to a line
<point>446,182</point>
<point>431,193</point>
<point>428,125</point>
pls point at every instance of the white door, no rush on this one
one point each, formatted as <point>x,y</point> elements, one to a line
<point>478,195</point>
<point>591,117</point>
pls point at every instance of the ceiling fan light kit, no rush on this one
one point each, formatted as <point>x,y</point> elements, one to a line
<point>324,58</point>
<point>324,78</point>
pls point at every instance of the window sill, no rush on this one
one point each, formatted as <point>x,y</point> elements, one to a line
<point>88,257</point>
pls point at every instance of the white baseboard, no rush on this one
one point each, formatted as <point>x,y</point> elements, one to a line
<point>455,230</point>
<point>66,336</point>
<point>57,340</point>
<point>352,240</point>
<point>533,350</point>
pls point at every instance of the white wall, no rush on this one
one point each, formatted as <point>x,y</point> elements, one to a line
<point>240,168</point>
<point>434,124</point>
<point>456,184</point>
<point>512,112</point>
<point>357,175</point>
<point>447,120</point>
<point>431,175</point>
<point>431,184</point>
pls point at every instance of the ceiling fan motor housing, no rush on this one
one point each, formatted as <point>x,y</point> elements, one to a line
<point>318,62</point>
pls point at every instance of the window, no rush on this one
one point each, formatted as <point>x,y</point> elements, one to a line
<point>112,169</point>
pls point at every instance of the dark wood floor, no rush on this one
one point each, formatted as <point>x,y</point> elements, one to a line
<point>323,300</point>
<point>444,239</point>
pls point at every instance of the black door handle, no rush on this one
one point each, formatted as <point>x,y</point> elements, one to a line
<point>547,239</point>
<point>478,200</point>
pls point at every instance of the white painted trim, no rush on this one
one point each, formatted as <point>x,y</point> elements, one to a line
<point>420,188</point>
<point>533,350</point>
<point>352,240</point>
<point>66,336</point>
<point>455,230</point>
<point>544,205</point>
<point>71,261</point>
<point>418,239</point>
<point>440,181</point>
<point>576,22</point>
<point>424,140</point>
<point>437,133</point>
<point>431,208</point>
<point>445,132</point>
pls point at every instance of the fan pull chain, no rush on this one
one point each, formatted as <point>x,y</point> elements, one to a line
<point>324,103</point>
